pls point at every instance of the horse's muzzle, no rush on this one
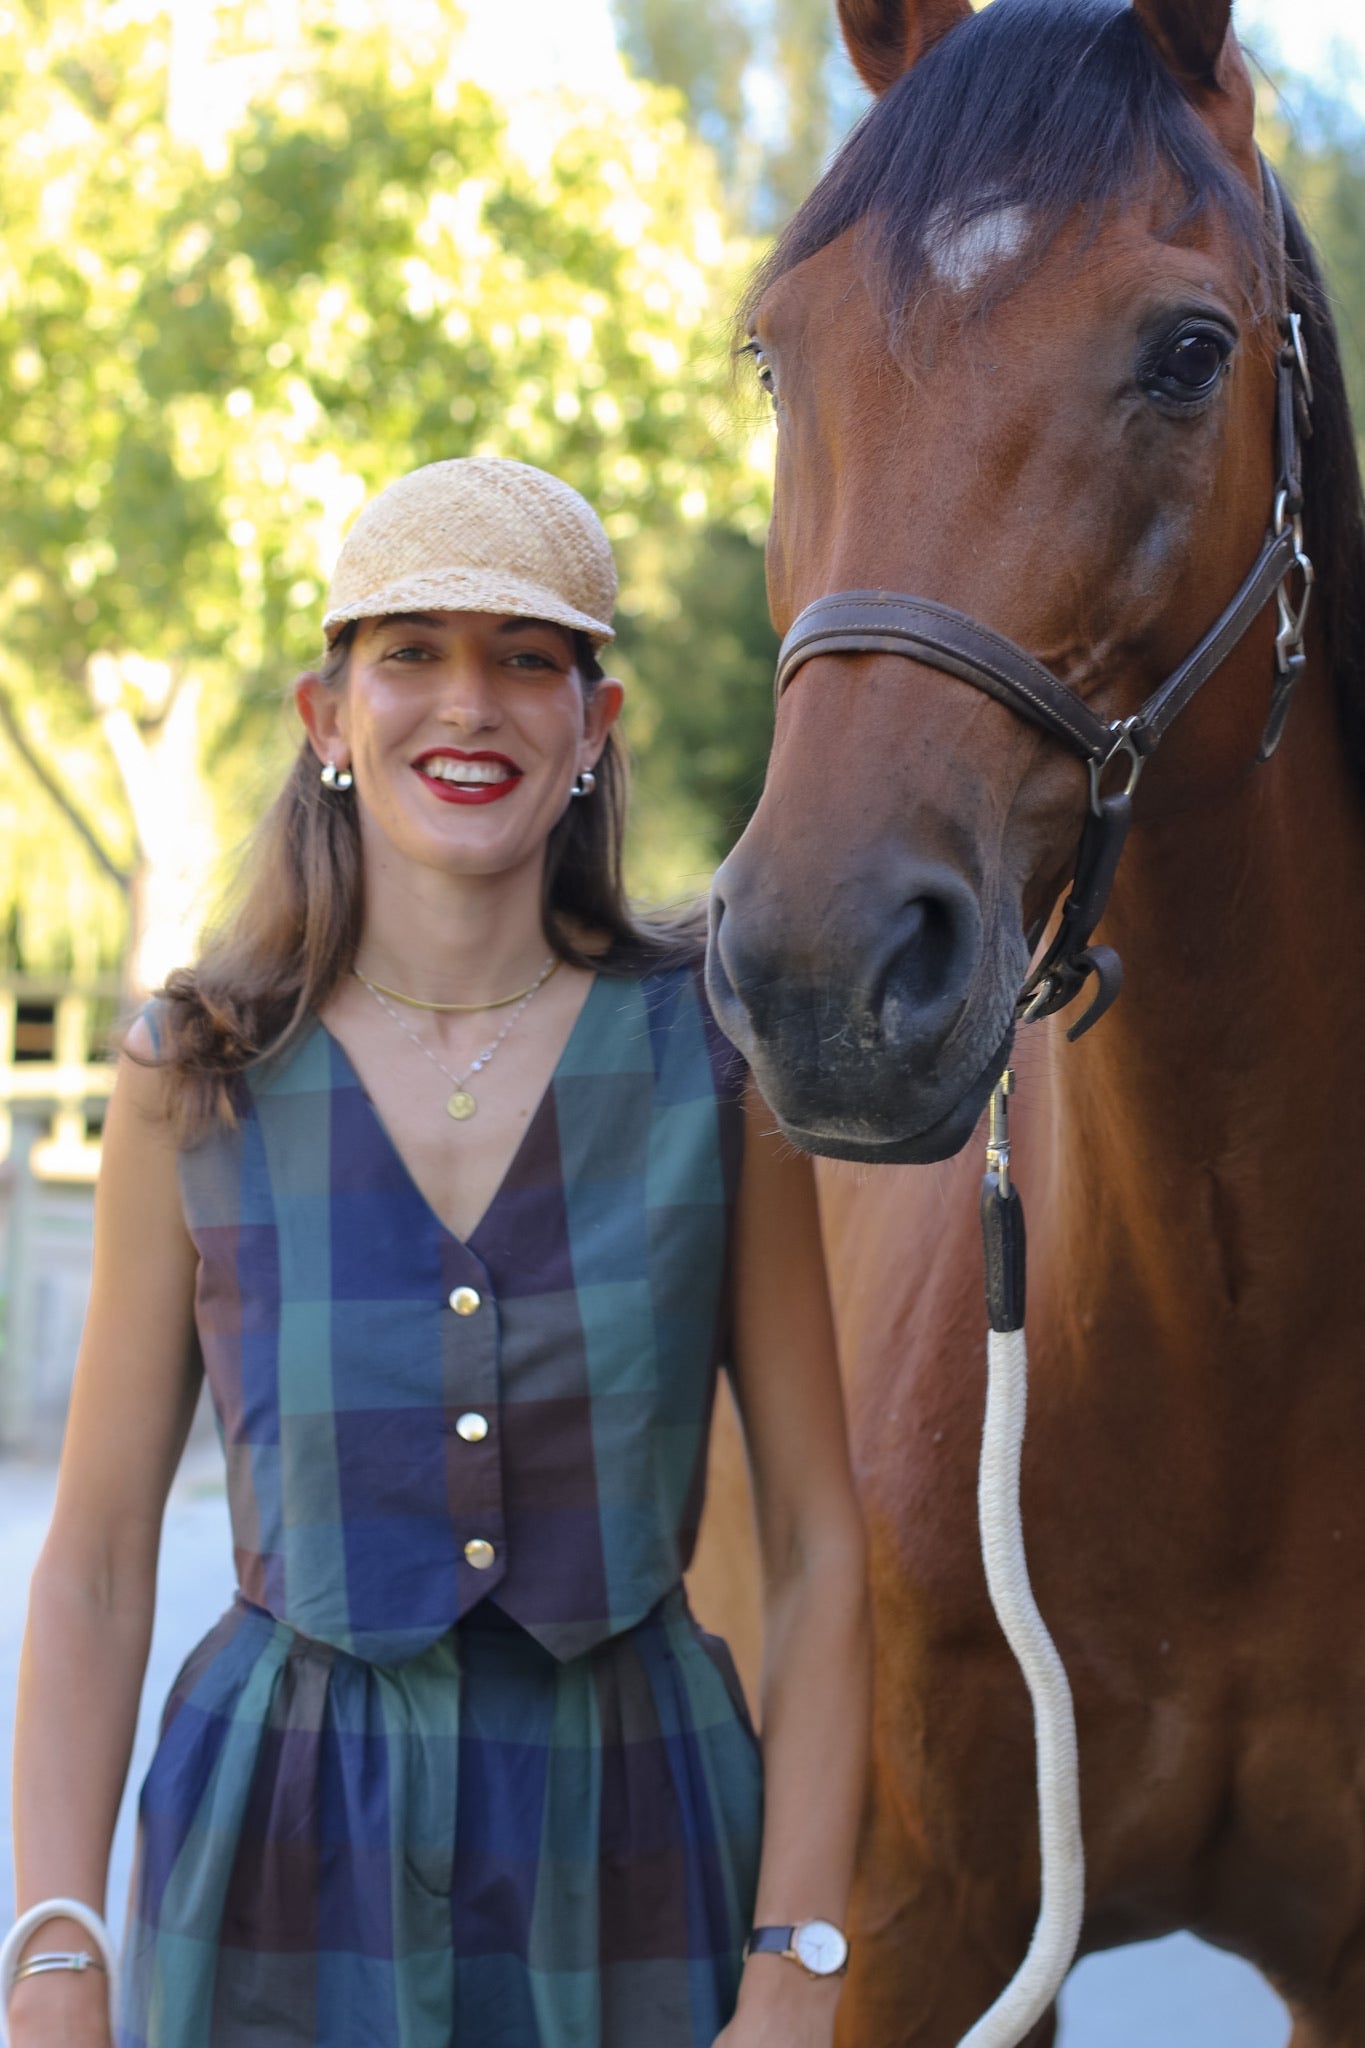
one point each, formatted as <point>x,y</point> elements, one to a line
<point>863,1020</point>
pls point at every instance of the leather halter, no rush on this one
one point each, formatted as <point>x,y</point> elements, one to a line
<point>885,622</point>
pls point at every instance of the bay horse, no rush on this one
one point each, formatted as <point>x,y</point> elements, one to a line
<point>1023,348</point>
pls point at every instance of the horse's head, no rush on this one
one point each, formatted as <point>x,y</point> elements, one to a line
<point>1021,351</point>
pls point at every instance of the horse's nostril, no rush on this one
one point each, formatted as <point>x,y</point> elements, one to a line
<point>720,988</point>
<point>927,962</point>
<point>886,970</point>
<point>931,933</point>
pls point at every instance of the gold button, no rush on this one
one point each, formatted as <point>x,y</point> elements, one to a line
<point>472,1427</point>
<point>465,1300</point>
<point>479,1553</point>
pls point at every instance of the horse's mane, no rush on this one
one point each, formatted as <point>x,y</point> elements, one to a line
<point>1063,107</point>
<point>1334,510</point>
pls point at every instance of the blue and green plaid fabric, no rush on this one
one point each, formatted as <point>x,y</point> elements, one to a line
<point>400,1802</point>
<point>482,1847</point>
<point>339,1368</point>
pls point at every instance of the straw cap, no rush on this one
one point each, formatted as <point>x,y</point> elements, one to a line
<point>479,534</point>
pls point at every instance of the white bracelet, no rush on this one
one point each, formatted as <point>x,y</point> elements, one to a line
<point>38,1916</point>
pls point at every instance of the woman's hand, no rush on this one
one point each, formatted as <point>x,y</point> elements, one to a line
<point>781,2007</point>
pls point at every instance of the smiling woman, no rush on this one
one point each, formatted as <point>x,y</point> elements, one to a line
<point>438,1166</point>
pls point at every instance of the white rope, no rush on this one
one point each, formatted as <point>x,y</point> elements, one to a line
<point>1040,1976</point>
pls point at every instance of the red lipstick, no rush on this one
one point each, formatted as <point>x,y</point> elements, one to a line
<point>466,792</point>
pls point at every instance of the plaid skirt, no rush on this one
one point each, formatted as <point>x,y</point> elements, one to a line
<point>480,1848</point>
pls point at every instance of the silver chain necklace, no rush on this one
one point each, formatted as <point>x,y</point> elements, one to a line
<point>461,1105</point>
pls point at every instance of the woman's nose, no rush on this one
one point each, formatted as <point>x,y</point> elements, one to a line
<point>469,699</point>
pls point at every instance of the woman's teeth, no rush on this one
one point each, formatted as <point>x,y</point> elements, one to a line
<point>470,773</point>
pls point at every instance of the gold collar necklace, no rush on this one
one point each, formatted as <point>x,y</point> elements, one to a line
<point>458,1009</point>
<point>461,1103</point>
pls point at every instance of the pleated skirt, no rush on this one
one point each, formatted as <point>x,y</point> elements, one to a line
<point>480,1848</point>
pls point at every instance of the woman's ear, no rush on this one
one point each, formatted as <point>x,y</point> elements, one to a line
<point>323,713</point>
<point>600,714</point>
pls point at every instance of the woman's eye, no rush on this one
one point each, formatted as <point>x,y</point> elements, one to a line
<point>526,657</point>
<point>1190,366</point>
<point>407,654</point>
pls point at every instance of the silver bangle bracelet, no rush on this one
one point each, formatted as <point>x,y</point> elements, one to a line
<point>79,1960</point>
<point>26,1926</point>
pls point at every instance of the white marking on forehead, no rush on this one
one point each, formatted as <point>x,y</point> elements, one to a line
<point>962,258</point>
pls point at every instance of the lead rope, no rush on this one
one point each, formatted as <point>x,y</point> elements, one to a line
<point>1034,1987</point>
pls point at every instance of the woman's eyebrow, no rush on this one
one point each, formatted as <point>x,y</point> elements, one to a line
<point>546,626</point>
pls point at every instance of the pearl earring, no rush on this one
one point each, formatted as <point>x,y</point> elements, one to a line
<point>585,784</point>
<point>336,778</point>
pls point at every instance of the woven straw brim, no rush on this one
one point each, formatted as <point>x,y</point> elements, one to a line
<point>469,590</point>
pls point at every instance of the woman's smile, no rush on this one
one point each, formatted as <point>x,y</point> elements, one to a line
<point>455,777</point>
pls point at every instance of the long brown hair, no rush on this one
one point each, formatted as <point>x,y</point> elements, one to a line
<point>295,928</point>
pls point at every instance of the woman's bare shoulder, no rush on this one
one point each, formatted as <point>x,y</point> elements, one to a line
<point>142,1084</point>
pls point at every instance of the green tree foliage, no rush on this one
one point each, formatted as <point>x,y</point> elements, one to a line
<point>1318,143</point>
<point>709,656</point>
<point>766,83</point>
<point>213,356</point>
<point>701,50</point>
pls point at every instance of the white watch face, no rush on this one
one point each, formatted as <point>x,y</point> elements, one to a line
<point>820,1948</point>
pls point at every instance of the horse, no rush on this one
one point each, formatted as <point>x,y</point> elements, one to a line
<point>1024,350</point>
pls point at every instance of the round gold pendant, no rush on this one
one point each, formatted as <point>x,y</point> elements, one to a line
<point>461,1106</point>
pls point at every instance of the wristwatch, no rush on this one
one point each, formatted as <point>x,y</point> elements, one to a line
<point>817,1945</point>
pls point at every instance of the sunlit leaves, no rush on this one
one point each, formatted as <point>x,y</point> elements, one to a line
<point>214,345</point>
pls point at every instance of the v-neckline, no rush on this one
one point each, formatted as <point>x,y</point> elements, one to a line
<point>542,1102</point>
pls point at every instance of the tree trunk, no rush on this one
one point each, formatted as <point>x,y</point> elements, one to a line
<point>172,813</point>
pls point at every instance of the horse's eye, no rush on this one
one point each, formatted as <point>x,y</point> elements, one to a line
<point>763,369</point>
<point>1190,366</point>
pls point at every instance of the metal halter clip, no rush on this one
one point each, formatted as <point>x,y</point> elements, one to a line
<point>998,1130</point>
<point>1290,659</point>
<point>1124,743</point>
<point>1300,347</point>
<point>1293,618</point>
<point>1002,1221</point>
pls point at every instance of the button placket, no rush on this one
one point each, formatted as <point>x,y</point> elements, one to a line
<point>474,1462</point>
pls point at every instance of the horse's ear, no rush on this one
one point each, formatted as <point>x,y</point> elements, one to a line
<point>1189,35</point>
<point>1194,39</point>
<point>885,37</point>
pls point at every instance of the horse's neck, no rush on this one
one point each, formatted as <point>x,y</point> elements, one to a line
<point>1209,1132</point>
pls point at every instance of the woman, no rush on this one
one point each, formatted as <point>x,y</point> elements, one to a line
<point>438,1164</point>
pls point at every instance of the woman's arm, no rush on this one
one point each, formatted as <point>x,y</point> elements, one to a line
<point>90,1608</point>
<point>817,1658</point>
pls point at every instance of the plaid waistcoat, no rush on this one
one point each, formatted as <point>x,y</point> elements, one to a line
<point>414,1423</point>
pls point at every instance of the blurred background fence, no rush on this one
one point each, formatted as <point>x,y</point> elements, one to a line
<point>257,260</point>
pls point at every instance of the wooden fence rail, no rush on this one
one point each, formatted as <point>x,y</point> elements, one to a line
<point>55,1079</point>
<point>53,1063</point>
